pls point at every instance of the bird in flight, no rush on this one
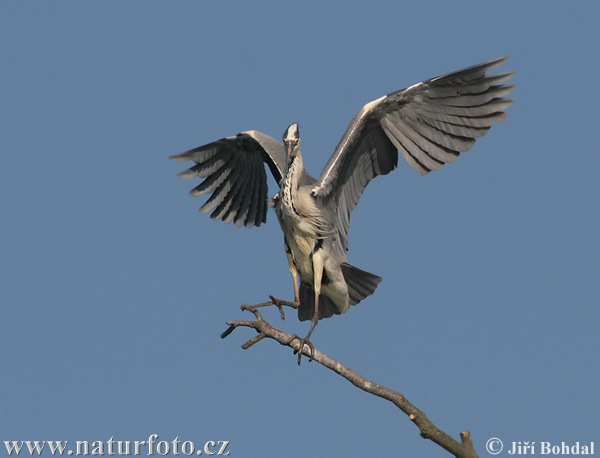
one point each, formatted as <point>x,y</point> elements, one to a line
<point>429,123</point>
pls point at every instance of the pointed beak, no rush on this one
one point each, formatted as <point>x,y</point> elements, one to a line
<point>290,147</point>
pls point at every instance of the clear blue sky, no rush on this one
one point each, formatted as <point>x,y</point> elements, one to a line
<point>114,289</point>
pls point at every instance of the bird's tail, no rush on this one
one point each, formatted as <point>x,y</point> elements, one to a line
<point>307,304</point>
<point>360,285</point>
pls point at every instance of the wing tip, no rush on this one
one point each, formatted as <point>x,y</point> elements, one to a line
<point>187,174</point>
<point>493,63</point>
<point>195,193</point>
<point>179,157</point>
<point>500,117</point>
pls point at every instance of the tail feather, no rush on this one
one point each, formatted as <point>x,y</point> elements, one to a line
<point>360,285</point>
<point>307,304</point>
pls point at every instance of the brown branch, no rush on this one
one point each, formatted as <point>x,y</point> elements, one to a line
<point>463,449</point>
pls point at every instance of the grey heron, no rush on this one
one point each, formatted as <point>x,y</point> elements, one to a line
<point>430,123</point>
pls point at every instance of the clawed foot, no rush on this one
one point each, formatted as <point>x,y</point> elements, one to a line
<point>279,303</point>
<point>303,342</point>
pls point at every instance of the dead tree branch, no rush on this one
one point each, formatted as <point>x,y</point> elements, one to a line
<point>463,449</point>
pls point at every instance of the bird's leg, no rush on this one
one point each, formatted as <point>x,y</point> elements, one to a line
<point>294,273</point>
<point>279,303</point>
<point>317,262</point>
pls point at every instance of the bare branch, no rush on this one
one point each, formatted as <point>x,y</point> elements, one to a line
<point>463,449</point>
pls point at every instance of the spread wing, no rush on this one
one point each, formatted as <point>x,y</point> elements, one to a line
<point>430,123</point>
<point>233,169</point>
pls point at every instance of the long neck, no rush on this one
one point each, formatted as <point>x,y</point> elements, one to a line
<point>293,171</point>
<point>289,186</point>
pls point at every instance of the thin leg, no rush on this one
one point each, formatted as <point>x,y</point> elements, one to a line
<point>293,271</point>
<point>317,261</point>
<point>279,303</point>
<point>318,273</point>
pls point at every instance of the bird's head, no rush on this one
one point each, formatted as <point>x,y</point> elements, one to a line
<point>291,140</point>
